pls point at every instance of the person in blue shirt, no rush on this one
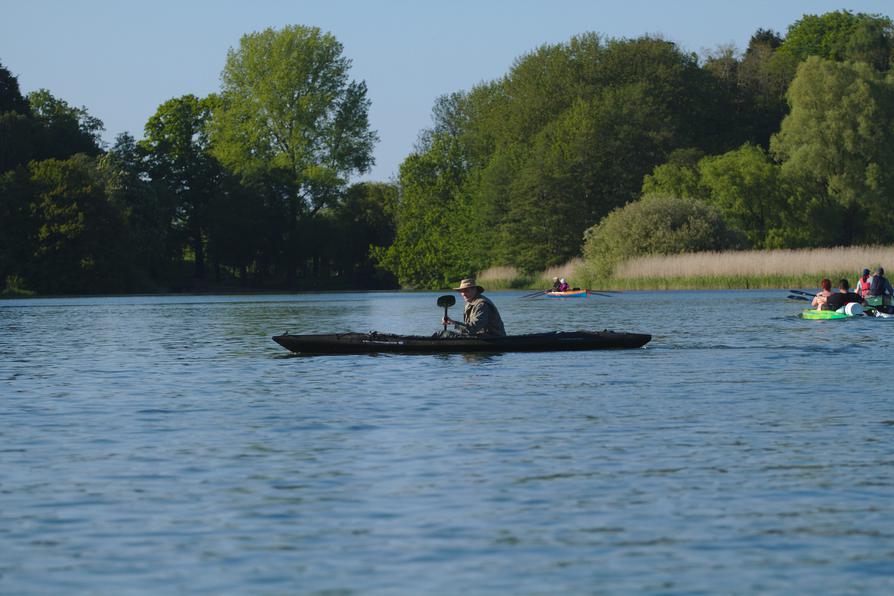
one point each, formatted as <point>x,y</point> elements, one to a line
<point>880,292</point>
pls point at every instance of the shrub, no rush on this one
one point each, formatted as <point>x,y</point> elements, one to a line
<point>656,224</point>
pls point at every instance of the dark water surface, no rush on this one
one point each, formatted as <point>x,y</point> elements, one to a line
<point>166,444</point>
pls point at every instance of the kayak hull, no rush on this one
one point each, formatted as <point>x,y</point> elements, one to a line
<point>825,314</point>
<point>568,294</point>
<point>371,343</point>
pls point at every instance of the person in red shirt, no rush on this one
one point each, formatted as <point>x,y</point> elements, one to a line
<point>862,285</point>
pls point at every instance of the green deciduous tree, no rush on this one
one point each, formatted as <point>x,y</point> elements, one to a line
<point>363,221</point>
<point>290,120</point>
<point>543,153</point>
<point>11,99</point>
<point>842,35</point>
<point>18,130</point>
<point>837,143</point>
<point>16,225</point>
<point>66,130</point>
<point>78,242</point>
<point>148,210</point>
<point>747,188</point>
<point>678,177</point>
<point>178,155</point>
<point>436,235</point>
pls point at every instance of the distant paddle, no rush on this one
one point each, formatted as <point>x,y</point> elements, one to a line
<point>803,293</point>
<point>446,301</point>
<point>534,294</point>
<point>805,299</point>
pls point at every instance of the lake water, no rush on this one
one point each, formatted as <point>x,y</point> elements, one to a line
<point>167,445</point>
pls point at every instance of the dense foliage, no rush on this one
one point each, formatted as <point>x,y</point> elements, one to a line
<point>596,146</point>
<point>787,142</point>
<point>656,224</point>
<point>248,187</point>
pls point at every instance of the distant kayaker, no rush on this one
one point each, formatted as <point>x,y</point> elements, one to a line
<point>819,301</point>
<point>563,285</point>
<point>880,286</point>
<point>480,316</point>
<point>842,297</point>
<point>862,285</point>
<point>556,285</point>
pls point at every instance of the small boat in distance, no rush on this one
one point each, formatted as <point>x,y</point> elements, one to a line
<point>575,293</point>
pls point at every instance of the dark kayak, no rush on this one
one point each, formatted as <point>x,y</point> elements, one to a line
<point>368,343</point>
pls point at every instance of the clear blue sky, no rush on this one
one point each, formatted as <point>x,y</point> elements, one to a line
<point>122,58</point>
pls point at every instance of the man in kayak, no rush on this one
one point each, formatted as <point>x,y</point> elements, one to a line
<point>844,296</point>
<point>819,301</point>
<point>480,316</point>
<point>862,285</point>
<point>563,285</point>
<point>556,285</point>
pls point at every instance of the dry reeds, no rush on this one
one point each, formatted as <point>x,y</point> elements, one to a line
<point>758,263</point>
<point>510,277</point>
<point>496,274</point>
<point>567,270</point>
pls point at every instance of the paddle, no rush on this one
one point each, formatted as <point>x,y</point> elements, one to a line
<point>446,301</point>
<point>802,293</point>
<point>529,295</point>
<point>790,297</point>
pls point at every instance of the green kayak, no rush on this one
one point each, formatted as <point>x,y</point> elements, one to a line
<point>825,314</point>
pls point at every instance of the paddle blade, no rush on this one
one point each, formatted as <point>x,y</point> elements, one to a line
<point>446,301</point>
<point>791,297</point>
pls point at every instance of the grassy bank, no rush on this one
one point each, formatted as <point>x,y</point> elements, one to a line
<point>768,269</point>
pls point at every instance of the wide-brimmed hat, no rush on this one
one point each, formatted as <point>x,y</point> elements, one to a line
<point>469,282</point>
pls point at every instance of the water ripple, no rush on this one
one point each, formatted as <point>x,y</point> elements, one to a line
<point>165,444</point>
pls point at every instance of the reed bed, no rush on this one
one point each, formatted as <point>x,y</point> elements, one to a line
<point>570,271</point>
<point>758,264</point>
<point>782,268</point>
<point>503,278</point>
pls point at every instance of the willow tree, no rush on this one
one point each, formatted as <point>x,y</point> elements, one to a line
<point>292,123</point>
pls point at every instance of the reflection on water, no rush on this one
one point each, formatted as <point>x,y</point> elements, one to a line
<point>166,444</point>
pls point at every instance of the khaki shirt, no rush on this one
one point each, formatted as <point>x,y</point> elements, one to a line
<point>480,317</point>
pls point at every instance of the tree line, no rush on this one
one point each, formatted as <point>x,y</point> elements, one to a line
<point>248,187</point>
<point>614,148</point>
<point>604,147</point>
